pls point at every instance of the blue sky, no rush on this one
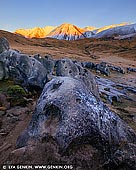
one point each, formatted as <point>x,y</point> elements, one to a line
<point>16,14</point>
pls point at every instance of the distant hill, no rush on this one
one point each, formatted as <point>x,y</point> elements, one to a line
<point>117,31</point>
<point>13,38</point>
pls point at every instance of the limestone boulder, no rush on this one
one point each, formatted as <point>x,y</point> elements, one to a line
<point>24,69</point>
<point>71,115</point>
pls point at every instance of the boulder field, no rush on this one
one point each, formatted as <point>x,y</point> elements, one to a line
<point>69,112</point>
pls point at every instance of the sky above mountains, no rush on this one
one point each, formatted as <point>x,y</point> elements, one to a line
<point>30,13</point>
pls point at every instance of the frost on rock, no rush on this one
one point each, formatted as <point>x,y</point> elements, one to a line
<point>68,112</point>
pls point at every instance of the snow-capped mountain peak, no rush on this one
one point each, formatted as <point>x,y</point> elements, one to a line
<point>67,31</point>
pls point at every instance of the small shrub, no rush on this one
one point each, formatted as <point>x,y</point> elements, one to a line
<point>16,90</point>
<point>16,95</point>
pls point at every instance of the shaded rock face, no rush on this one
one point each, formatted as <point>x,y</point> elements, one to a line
<point>3,71</point>
<point>67,67</point>
<point>117,68</point>
<point>27,70</point>
<point>89,65</point>
<point>70,114</point>
<point>103,67</point>
<point>129,69</point>
<point>111,90</point>
<point>4,44</point>
<point>47,62</point>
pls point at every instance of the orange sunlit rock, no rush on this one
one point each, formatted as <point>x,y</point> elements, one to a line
<point>35,32</point>
<point>67,31</point>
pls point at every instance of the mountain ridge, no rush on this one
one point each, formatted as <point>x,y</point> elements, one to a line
<point>36,32</point>
<point>68,31</point>
<point>117,31</point>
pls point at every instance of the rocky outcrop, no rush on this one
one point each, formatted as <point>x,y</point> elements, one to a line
<point>89,65</point>
<point>117,69</point>
<point>66,67</point>
<point>129,69</point>
<point>28,71</point>
<point>47,62</point>
<point>103,68</point>
<point>114,92</point>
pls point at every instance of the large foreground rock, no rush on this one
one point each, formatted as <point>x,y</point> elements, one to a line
<point>69,113</point>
